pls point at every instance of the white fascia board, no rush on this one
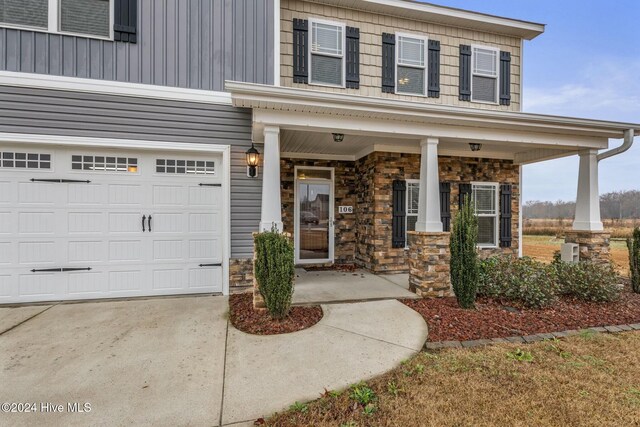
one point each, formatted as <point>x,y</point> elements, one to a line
<point>251,95</point>
<point>109,87</point>
<point>412,130</point>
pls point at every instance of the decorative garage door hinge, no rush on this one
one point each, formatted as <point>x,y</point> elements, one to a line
<point>210,265</point>
<point>209,185</point>
<point>59,269</point>
<point>61,181</point>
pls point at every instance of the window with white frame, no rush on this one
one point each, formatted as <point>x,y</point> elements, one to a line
<point>91,18</point>
<point>484,79</point>
<point>413,188</point>
<point>327,53</point>
<point>485,201</point>
<point>411,65</point>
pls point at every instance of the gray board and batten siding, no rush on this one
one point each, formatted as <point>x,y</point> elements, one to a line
<point>194,44</point>
<point>82,114</point>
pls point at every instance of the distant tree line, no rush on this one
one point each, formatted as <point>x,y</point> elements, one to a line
<point>614,205</point>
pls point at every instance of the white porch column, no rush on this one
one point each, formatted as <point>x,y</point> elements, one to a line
<point>271,207</point>
<point>429,193</point>
<point>587,217</point>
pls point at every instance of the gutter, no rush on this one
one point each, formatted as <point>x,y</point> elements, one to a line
<point>626,144</point>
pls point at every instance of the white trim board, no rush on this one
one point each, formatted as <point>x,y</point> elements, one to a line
<point>109,87</point>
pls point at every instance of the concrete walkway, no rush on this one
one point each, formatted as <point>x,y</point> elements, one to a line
<point>177,361</point>
<point>317,287</point>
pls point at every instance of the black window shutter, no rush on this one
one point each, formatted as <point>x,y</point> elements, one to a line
<point>300,50</point>
<point>505,216</point>
<point>388,63</point>
<point>125,16</point>
<point>398,233</point>
<point>434,69</point>
<point>505,78</point>
<point>353,58</point>
<point>465,72</point>
<point>445,205</point>
<point>463,190</point>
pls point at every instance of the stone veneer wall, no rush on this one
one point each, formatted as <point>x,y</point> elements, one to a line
<point>240,274</point>
<point>594,245</point>
<point>429,259</point>
<point>344,192</point>
<point>377,171</point>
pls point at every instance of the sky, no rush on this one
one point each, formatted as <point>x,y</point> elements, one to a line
<point>585,64</point>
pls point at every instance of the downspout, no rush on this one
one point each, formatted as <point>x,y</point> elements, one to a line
<point>626,144</point>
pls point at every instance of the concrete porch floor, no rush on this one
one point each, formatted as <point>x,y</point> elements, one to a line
<point>341,286</point>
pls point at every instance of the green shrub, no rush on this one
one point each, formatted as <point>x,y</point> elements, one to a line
<point>464,258</point>
<point>587,281</point>
<point>633,243</point>
<point>274,270</point>
<point>517,279</point>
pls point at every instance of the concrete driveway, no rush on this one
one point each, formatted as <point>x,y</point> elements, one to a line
<point>176,361</point>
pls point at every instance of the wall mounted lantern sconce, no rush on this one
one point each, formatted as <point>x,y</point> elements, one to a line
<point>475,146</point>
<point>338,137</point>
<point>253,157</point>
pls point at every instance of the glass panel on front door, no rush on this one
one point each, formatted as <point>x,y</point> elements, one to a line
<point>314,211</point>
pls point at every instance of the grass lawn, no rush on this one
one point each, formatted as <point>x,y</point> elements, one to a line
<point>543,247</point>
<point>586,380</point>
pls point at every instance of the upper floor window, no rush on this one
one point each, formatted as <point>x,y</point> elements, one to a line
<point>327,53</point>
<point>411,70</point>
<point>484,79</point>
<point>91,18</point>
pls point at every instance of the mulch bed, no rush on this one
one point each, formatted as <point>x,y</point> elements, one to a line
<point>494,319</point>
<point>335,267</point>
<point>245,318</point>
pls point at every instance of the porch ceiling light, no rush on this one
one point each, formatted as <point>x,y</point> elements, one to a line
<point>338,137</point>
<point>253,157</point>
<point>475,146</point>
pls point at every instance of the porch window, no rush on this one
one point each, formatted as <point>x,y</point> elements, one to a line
<point>411,65</point>
<point>327,53</point>
<point>485,201</point>
<point>484,79</point>
<point>413,188</point>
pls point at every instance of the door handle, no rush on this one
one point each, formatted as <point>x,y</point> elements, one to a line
<point>143,218</point>
<point>149,223</point>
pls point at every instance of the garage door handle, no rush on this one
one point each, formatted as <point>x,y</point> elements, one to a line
<point>149,223</point>
<point>143,218</point>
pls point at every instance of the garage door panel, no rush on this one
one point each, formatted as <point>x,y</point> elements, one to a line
<point>205,222</point>
<point>85,222</point>
<point>164,279</point>
<point>40,193</point>
<point>37,253</point>
<point>130,281</point>
<point>36,223</point>
<point>169,195</point>
<point>168,223</point>
<point>86,284</point>
<point>6,254</point>
<point>206,278</point>
<point>205,196</point>
<point>168,250</point>
<point>125,250</point>
<point>7,225</point>
<point>86,194</point>
<point>205,249</point>
<point>125,222</point>
<point>86,251</point>
<point>7,192</point>
<point>7,287</point>
<point>126,194</point>
<point>42,285</point>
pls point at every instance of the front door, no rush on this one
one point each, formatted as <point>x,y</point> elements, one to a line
<point>314,233</point>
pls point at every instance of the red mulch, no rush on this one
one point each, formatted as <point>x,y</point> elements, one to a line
<point>334,267</point>
<point>493,319</point>
<point>245,318</point>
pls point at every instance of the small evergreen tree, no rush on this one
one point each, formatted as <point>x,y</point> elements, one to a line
<point>464,257</point>
<point>274,270</point>
<point>633,243</point>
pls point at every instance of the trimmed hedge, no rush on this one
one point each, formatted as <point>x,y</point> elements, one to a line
<point>587,281</point>
<point>274,270</point>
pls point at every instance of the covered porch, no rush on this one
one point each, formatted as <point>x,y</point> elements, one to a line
<point>375,182</point>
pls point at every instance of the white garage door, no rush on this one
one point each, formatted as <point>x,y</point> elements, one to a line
<point>78,224</point>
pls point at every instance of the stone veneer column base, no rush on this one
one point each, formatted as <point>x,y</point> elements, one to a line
<point>594,245</point>
<point>240,274</point>
<point>429,259</point>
